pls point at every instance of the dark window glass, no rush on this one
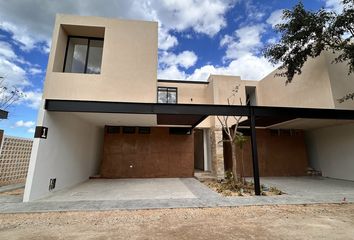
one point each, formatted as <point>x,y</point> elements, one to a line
<point>112,129</point>
<point>180,131</point>
<point>144,130</point>
<point>95,57</point>
<point>84,55</point>
<point>76,55</point>
<point>166,95</point>
<point>129,130</point>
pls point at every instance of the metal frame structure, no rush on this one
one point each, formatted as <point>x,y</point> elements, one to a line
<point>254,113</point>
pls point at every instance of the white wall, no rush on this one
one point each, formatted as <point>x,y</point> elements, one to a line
<point>71,153</point>
<point>331,150</point>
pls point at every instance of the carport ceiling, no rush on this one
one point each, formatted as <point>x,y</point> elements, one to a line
<point>307,124</point>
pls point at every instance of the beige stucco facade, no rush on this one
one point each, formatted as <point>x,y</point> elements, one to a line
<point>129,61</point>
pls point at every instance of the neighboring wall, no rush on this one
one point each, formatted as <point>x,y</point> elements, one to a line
<point>14,159</point>
<point>331,151</point>
<point>279,154</point>
<point>310,89</point>
<point>341,82</point>
<point>71,154</point>
<point>158,154</point>
<point>129,61</point>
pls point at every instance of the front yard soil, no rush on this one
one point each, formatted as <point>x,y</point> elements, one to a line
<point>252,222</point>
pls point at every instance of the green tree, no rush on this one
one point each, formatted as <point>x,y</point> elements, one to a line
<point>305,34</point>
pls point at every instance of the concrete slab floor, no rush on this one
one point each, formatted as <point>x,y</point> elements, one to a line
<point>309,186</point>
<point>154,195</point>
<point>124,189</point>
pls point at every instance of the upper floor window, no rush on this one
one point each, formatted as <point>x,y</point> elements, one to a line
<point>83,55</point>
<point>167,95</point>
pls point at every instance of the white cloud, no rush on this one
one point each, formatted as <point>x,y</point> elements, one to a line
<point>246,39</point>
<point>166,40</point>
<point>227,39</point>
<point>32,99</point>
<point>26,124</point>
<point>276,17</point>
<point>6,51</point>
<point>249,67</point>
<point>242,50</point>
<point>172,72</point>
<point>31,130</point>
<point>14,75</point>
<point>185,59</point>
<point>35,71</point>
<point>335,5</point>
<point>31,22</point>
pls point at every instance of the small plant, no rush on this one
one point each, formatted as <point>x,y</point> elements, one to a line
<point>275,190</point>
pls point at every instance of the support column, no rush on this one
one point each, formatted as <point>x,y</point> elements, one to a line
<point>257,188</point>
<point>217,153</point>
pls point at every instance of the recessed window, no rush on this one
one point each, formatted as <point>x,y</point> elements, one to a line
<point>129,130</point>
<point>180,131</point>
<point>113,129</point>
<point>167,95</point>
<point>83,55</point>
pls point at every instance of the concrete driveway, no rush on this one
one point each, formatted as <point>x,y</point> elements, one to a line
<point>310,186</point>
<point>105,194</point>
<point>125,189</point>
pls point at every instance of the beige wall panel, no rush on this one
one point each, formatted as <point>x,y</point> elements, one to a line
<point>129,63</point>
<point>310,89</point>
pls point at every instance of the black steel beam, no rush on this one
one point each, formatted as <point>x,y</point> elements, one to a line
<point>257,186</point>
<point>144,108</point>
<point>195,109</point>
<point>199,121</point>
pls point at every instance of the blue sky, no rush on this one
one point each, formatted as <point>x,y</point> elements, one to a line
<point>196,38</point>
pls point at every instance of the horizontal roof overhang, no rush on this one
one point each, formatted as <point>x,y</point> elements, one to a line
<point>193,114</point>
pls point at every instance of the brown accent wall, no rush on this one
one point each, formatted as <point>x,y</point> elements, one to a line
<point>157,154</point>
<point>279,153</point>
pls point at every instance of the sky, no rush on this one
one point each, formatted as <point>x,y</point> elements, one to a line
<point>196,38</point>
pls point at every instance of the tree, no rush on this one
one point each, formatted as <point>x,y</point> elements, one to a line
<point>8,96</point>
<point>307,33</point>
<point>233,136</point>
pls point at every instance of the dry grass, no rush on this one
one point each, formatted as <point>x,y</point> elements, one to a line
<point>228,188</point>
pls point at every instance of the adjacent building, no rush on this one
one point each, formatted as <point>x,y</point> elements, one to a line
<point>97,60</point>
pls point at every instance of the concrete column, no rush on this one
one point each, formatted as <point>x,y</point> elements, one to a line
<point>217,153</point>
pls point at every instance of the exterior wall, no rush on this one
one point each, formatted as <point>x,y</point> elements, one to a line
<point>14,160</point>
<point>310,89</point>
<point>217,153</point>
<point>71,154</point>
<point>129,61</point>
<point>158,154</point>
<point>331,151</point>
<point>278,155</point>
<point>341,82</point>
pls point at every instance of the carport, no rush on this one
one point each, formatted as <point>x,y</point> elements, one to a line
<point>192,114</point>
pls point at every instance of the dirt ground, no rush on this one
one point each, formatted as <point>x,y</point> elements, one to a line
<point>13,192</point>
<point>255,222</point>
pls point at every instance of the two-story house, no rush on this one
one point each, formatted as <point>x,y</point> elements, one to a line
<point>97,67</point>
